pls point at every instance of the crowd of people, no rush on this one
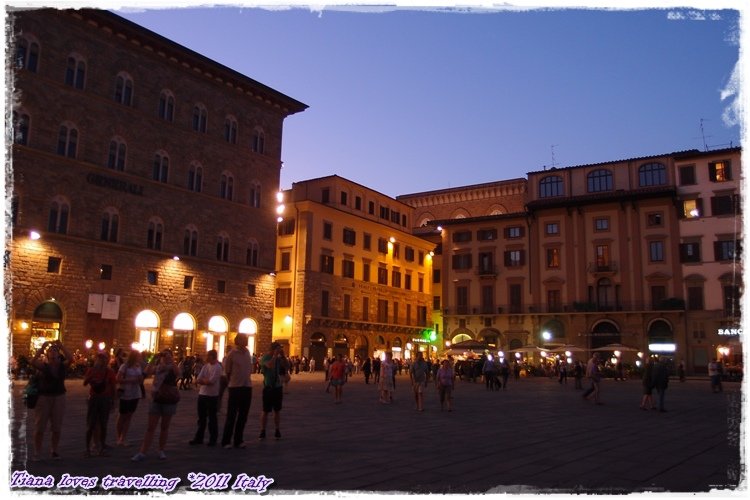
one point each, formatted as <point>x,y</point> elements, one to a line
<point>119,381</point>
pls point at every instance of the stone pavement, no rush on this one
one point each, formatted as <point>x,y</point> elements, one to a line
<point>536,436</point>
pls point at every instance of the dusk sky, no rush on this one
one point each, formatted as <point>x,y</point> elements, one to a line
<point>410,100</point>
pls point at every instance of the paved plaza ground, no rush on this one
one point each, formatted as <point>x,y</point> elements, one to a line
<point>538,436</point>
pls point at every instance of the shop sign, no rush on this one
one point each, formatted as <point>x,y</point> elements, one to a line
<point>729,331</point>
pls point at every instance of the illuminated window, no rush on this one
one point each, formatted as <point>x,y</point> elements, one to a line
<point>692,209</point>
<point>553,258</point>
<point>720,171</point>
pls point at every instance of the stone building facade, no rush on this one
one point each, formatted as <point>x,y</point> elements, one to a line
<point>144,178</point>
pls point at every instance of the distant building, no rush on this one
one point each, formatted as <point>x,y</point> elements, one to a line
<point>143,189</point>
<point>351,278</point>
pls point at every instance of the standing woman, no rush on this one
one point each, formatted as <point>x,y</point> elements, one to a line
<point>51,405</point>
<point>102,381</point>
<point>130,378</point>
<point>387,374</point>
<point>165,373</point>
<point>445,378</point>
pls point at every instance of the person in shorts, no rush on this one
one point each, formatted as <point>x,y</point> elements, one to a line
<point>274,366</point>
<point>52,360</point>
<point>130,379</point>
<point>418,373</point>
<point>337,374</point>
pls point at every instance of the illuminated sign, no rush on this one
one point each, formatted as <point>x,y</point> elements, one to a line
<point>730,331</point>
<point>662,347</point>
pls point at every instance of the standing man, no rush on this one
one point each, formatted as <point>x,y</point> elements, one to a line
<point>661,380</point>
<point>594,374</point>
<point>274,366</point>
<point>238,365</point>
<point>418,373</point>
<point>208,381</point>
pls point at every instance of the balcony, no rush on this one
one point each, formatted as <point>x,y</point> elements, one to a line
<point>608,268</point>
<point>487,271</point>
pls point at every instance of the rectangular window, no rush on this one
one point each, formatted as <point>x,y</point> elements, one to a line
<point>486,263</point>
<point>552,228</point>
<point>365,308</point>
<point>514,232</point>
<point>385,213</point>
<point>690,252</point>
<point>488,299</point>
<point>396,251</point>
<point>692,209</point>
<point>382,276</point>
<point>486,234</point>
<point>658,296</point>
<point>366,272</point>
<point>420,284</point>
<point>655,219</point>
<point>326,264</point>
<point>250,290</point>
<point>687,175</point>
<point>187,282</point>
<point>462,299</point>
<point>347,306</point>
<point>152,277</point>
<point>325,195</point>
<point>286,259</point>
<point>286,227</point>
<point>382,311</point>
<point>554,302</point>
<point>553,258</point>
<point>221,286</point>
<point>347,268</point>
<point>695,298</point>
<point>436,303</point>
<point>516,302</point>
<point>656,251</point>
<point>327,231</point>
<point>367,241</point>
<point>105,272</point>
<point>601,224</point>
<point>324,299</point>
<point>602,257</point>
<point>54,264</point>
<point>725,205</point>
<point>409,254</point>
<point>462,236</point>
<point>726,250</point>
<point>408,314</point>
<point>462,261</point>
<point>344,198</point>
<point>358,202</point>
<point>436,276</point>
<point>396,278</point>
<point>283,297</point>
<point>515,258</point>
<point>371,207</point>
<point>407,281</point>
<point>720,171</point>
<point>350,237</point>
<point>383,246</point>
<point>395,313</point>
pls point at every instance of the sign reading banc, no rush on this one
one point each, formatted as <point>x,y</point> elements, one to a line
<point>730,331</point>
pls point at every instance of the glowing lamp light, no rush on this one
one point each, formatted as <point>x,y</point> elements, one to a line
<point>447,343</point>
<point>640,355</point>
<point>694,213</point>
<point>617,354</point>
<point>176,257</point>
<point>543,354</point>
<point>518,355</point>
<point>501,354</point>
<point>136,346</point>
<point>567,354</point>
<point>489,357</point>
<point>724,351</point>
<point>392,239</point>
<point>440,228</point>
<point>24,325</point>
<point>432,254</point>
<point>569,360</point>
<point>280,209</point>
<point>89,344</point>
<point>101,346</point>
<point>279,219</point>
<point>288,319</point>
<point>638,363</point>
<point>613,360</point>
<point>34,235</point>
<point>546,335</point>
<point>279,196</point>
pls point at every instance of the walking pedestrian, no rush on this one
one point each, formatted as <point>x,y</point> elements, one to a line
<point>661,380</point>
<point>578,374</point>
<point>504,372</point>
<point>273,365</point>
<point>238,366</point>
<point>376,369</point>
<point>337,374</point>
<point>714,375</point>
<point>209,384</point>
<point>488,370</point>
<point>594,374</point>
<point>647,401</point>
<point>445,380</point>
<point>50,407</point>
<point>563,372</point>
<point>418,373</point>
<point>165,374</point>
<point>367,369</point>
<point>387,373</point>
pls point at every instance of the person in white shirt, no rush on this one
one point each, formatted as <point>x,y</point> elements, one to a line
<point>208,382</point>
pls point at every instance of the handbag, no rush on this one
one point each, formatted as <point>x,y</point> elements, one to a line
<point>31,393</point>
<point>168,394</point>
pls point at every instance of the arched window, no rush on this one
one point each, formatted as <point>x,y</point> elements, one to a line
<point>75,72</point>
<point>155,233</point>
<point>117,154</point>
<point>652,174</point>
<point>27,54</point>
<point>252,256</point>
<point>226,186</point>
<point>230,129</point>
<point>599,180</point>
<point>124,89</point>
<point>21,128</point>
<point>67,140</point>
<point>255,194</point>
<point>195,177</point>
<point>59,211</point>
<point>161,166</point>
<point>222,247</point>
<point>200,118</point>
<point>110,225</point>
<point>549,186</point>
<point>190,241</point>
<point>259,141</point>
<point>166,105</point>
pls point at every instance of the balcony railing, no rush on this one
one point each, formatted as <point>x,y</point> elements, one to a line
<point>671,304</point>
<point>602,267</point>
